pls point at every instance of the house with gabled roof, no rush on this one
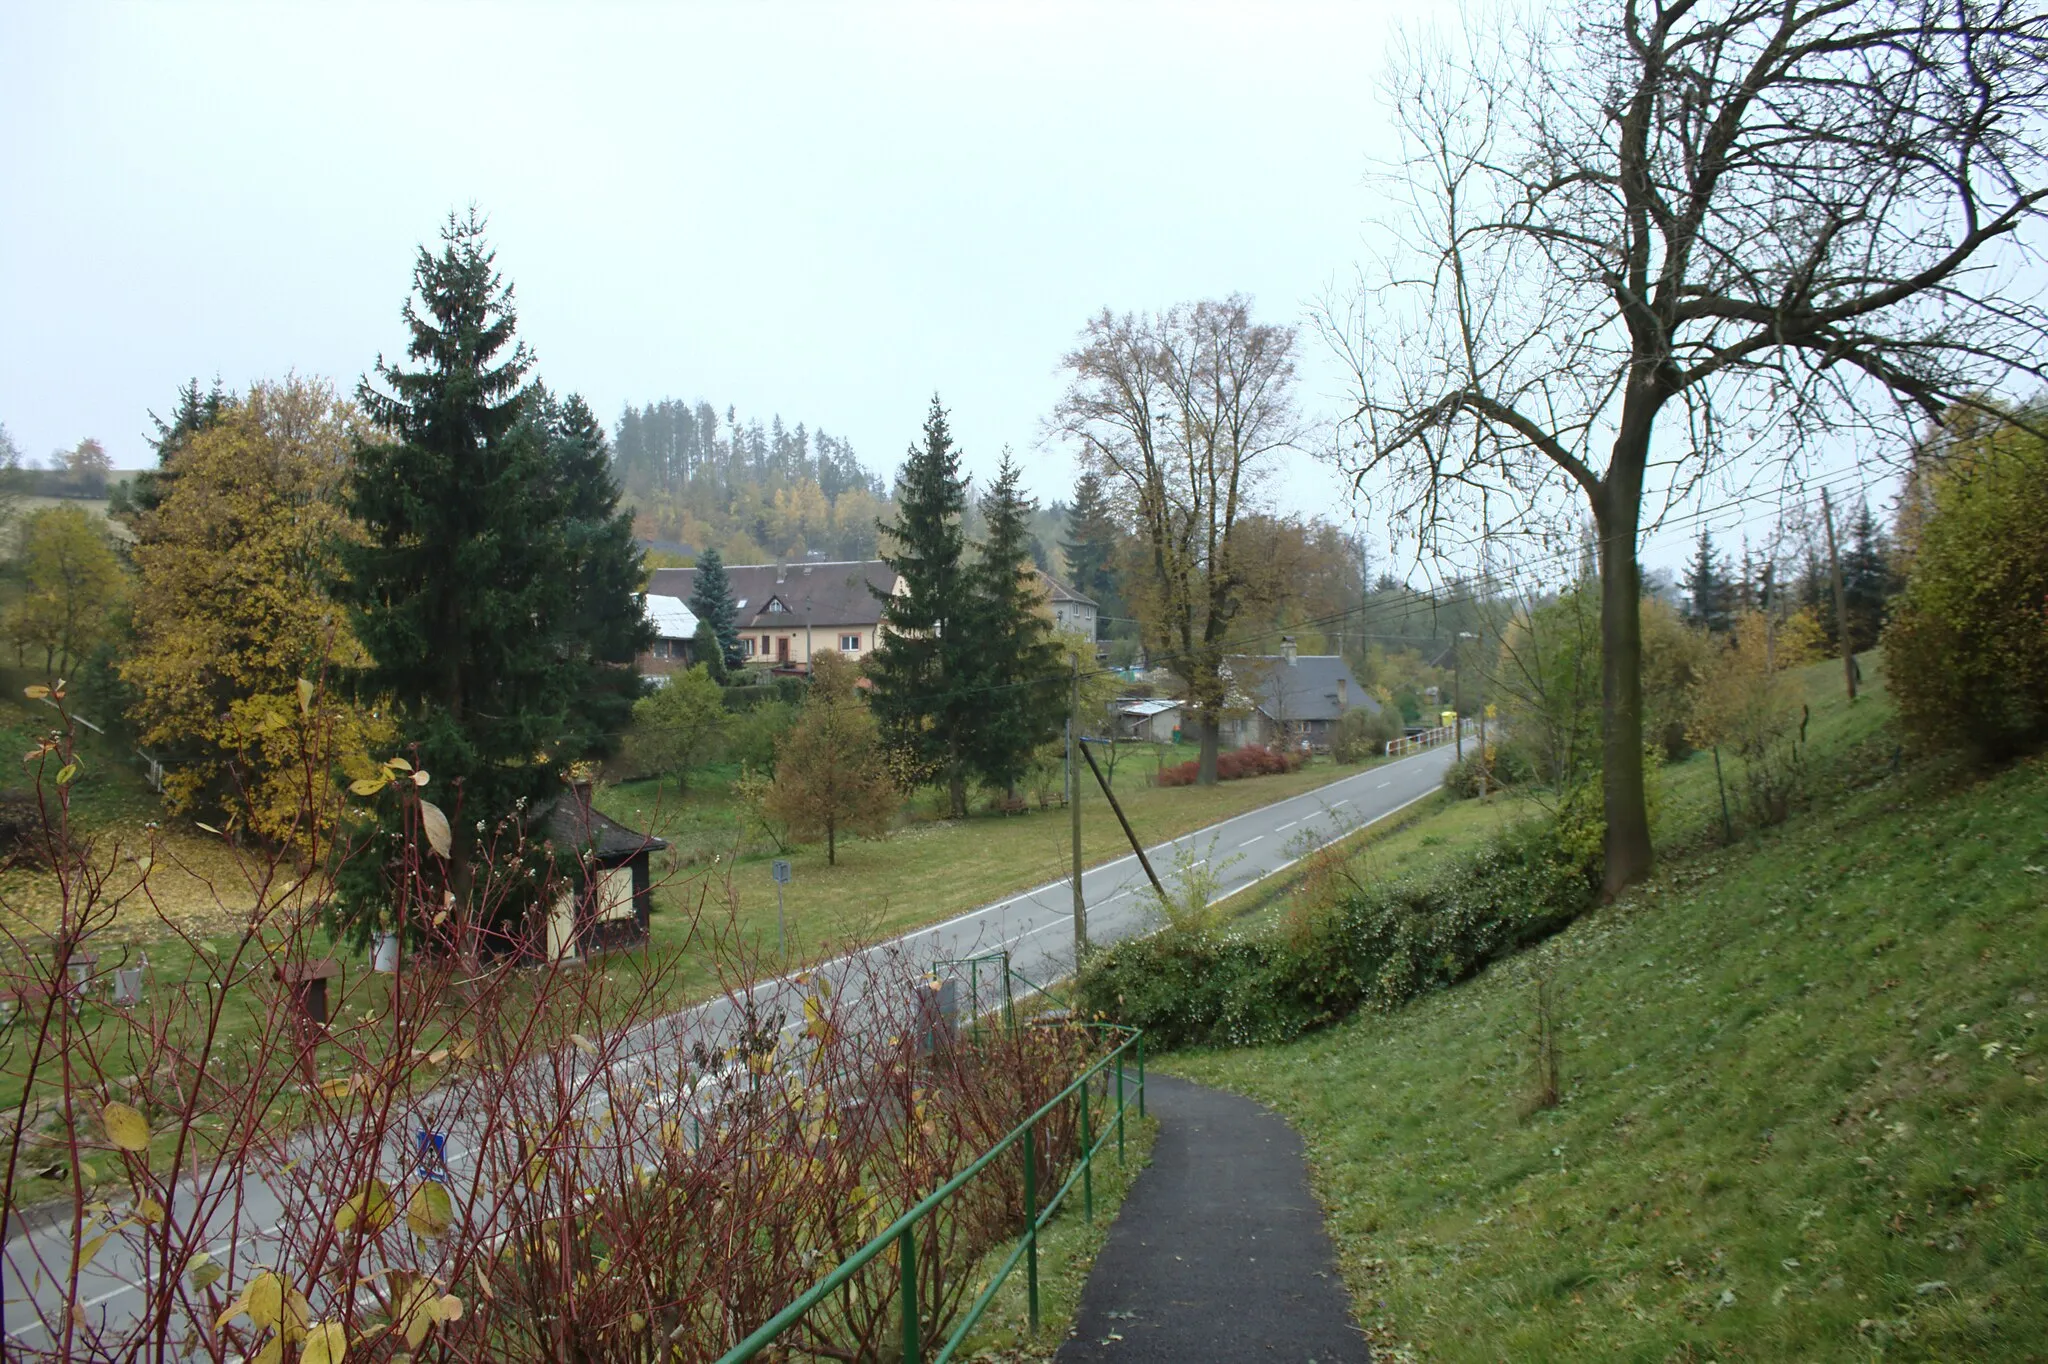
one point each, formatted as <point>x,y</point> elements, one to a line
<point>1289,697</point>
<point>787,612</point>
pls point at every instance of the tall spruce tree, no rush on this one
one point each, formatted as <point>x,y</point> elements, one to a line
<point>711,601</point>
<point>489,587</point>
<point>604,625</point>
<point>923,667</point>
<point>1023,675</point>
<point>1708,588</point>
<point>1868,581</point>
<point>1091,544</point>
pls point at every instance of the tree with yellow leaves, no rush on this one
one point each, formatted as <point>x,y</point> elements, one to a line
<point>73,581</point>
<point>1746,701</point>
<point>236,635</point>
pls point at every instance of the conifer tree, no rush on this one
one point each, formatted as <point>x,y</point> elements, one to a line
<point>604,622</point>
<point>487,587</point>
<point>925,697</point>
<point>711,602</point>
<point>1023,699</point>
<point>1868,581</point>
<point>1706,584</point>
<point>1091,542</point>
<point>710,653</point>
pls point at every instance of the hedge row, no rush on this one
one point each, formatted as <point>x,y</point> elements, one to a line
<point>1253,760</point>
<point>1377,948</point>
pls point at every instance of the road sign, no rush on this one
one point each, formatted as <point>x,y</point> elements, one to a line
<point>779,869</point>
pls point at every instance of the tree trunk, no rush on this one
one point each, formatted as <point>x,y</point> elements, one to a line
<point>1627,843</point>
<point>1211,731</point>
<point>831,842</point>
<point>956,793</point>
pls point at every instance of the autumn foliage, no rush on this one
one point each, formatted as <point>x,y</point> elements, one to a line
<point>232,612</point>
<point>618,1182</point>
<point>1252,760</point>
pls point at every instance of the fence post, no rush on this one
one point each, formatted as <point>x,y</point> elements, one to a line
<point>1119,1110</point>
<point>906,1254</point>
<point>1141,1075</point>
<point>1087,1162</point>
<point>1031,1227</point>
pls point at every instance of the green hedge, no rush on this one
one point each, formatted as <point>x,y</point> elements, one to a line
<point>1377,948</point>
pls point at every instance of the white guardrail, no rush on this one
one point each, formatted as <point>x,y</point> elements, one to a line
<point>1429,738</point>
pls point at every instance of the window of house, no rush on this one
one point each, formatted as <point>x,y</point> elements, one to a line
<point>748,646</point>
<point>849,644</point>
<point>775,606</point>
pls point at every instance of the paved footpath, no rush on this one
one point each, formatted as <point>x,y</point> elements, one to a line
<point>1219,1252</point>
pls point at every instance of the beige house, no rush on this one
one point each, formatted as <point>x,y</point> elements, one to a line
<point>788,611</point>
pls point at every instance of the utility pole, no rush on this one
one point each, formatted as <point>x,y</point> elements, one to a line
<point>1827,513</point>
<point>1458,688</point>
<point>1074,814</point>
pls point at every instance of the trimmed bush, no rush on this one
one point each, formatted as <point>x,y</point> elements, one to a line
<point>1377,947</point>
<point>1253,760</point>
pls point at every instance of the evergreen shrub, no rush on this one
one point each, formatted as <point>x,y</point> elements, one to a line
<point>1377,947</point>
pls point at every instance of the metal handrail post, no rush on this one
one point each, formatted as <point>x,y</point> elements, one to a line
<point>1087,1164</point>
<point>1031,1226</point>
<point>906,1254</point>
<point>1141,1073</point>
<point>1119,1110</point>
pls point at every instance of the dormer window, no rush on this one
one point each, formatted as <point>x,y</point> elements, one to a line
<point>775,605</point>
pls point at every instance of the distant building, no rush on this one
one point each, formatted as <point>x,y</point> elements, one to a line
<point>1149,719</point>
<point>1070,610</point>
<point>788,611</point>
<point>610,897</point>
<point>1287,697</point>
<point>675,636</point>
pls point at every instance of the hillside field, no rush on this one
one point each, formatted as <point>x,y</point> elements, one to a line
<point>1802,1112</point>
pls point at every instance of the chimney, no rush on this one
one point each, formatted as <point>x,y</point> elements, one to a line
<point>781,573</point>
<point>1343,697</point>
<point>1287,649</point>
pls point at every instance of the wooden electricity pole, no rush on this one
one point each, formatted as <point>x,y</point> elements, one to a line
<point>1074,813</point>
<point>1827,515</point>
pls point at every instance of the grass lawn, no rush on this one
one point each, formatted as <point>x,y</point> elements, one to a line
<point>1803,1112</point>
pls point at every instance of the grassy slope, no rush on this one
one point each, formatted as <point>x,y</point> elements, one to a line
<point>1804,1114</point>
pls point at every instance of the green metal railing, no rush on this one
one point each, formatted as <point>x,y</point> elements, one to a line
<point>902,1233</point>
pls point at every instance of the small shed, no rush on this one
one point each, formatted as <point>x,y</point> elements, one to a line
<point>1154,720</point>
<point>610,902</point>
<point>675,635</point>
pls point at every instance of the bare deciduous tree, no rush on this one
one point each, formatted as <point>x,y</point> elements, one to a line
<point>1777,219</point>
<point>1179,412</point>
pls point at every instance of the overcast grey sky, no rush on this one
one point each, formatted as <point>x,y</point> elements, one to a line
<point>823,211</point>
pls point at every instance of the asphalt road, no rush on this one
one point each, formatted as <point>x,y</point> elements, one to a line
<point>1035,927</point>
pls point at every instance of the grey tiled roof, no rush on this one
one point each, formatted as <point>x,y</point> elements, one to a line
<point>811,594</point>
<point>1305,690</point>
